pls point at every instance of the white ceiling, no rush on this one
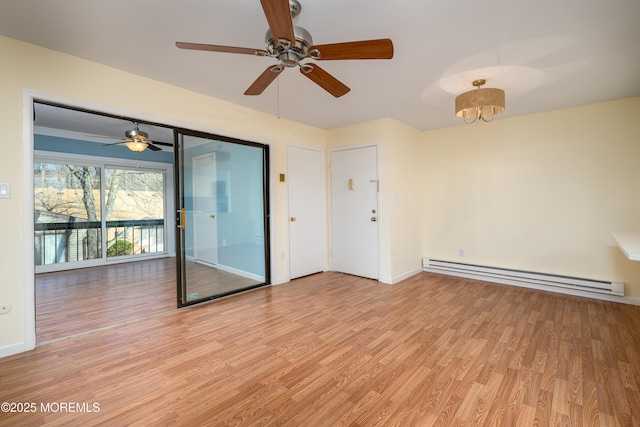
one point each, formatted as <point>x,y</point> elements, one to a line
<point>69,123</point>
<point>545,54</point>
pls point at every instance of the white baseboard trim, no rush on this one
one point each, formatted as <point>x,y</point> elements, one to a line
<point>400,278</point>
<point>237,272</point>
<point>586,294</point>
<point>232,270</point>
<point>11,349</point>
<point>280,281</point>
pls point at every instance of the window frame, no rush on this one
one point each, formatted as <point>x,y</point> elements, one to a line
<point>105,163</point>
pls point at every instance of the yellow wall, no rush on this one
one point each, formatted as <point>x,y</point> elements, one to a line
<point>74,80</point>
<point>539,192</point>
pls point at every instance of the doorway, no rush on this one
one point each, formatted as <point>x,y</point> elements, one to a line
<point>354,211</point>
<point>103,222</point>
<point>129,251</point>
<point>205,224</point>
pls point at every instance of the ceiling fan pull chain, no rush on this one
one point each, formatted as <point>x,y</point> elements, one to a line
<point>278,97</point>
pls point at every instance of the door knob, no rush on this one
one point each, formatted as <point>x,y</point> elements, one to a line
<point>212,216</point>
<point>374,219</point>
<point>293,219</point>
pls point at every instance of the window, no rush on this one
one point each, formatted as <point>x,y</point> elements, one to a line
<point>67,213</point>
<point>87,213</point>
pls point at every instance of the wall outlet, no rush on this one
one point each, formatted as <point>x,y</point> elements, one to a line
<point>461,253</point>
<point>5,190</point>
<point>5,308</point>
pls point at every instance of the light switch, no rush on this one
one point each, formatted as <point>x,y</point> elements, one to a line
<point>5,190</point>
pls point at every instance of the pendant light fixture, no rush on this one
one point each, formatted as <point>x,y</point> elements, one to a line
<point>480,104</point>
<point>136,139</point>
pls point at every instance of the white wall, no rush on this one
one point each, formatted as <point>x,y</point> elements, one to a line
<point>539,192</point>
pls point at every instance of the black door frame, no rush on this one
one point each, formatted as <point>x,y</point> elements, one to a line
<point>180,203</point>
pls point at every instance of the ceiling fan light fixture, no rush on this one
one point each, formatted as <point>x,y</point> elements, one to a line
<point>480,104</point>
<point>136,145</point>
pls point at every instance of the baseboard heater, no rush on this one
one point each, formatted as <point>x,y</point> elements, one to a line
<point>505,275</point>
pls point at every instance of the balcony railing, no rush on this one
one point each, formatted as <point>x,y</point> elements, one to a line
<point>57,242</point>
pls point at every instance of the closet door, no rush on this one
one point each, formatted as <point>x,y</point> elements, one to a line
<point>307,238</point>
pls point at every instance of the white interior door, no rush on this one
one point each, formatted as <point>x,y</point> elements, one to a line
<point>306,211</point>
<point>204,208</point>
<point>354,211</point>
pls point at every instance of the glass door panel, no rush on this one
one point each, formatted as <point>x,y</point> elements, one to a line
<point>222,218</point>
<point>134,211</point>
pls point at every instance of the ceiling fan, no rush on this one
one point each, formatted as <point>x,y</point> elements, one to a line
<point>137,140</point>
<point>291,44</point>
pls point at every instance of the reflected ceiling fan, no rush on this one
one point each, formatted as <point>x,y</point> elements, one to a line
<point>137,140</point>
<point>291,44</point>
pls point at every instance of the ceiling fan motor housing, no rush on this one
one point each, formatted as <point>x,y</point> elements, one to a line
<point>290,56</point>
<point>136,135</point>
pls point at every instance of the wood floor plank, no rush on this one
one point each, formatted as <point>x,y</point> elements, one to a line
<point>82,300</point>
<point>332,349</point>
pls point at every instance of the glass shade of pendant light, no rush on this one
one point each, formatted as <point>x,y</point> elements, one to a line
<point>136,145</point>
<point>480,104</point>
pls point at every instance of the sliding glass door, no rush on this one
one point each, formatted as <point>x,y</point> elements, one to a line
<point>222,210</point>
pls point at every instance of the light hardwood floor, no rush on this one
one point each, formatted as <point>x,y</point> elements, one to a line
<point>73,302</point>
<point>333,349</point>
<point>76,301</point>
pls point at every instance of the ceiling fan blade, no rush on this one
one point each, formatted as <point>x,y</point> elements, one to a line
<point>366,49</point>
<point>153,147</point>
<point>278,16</point>
<point>324,80</point>
<point>225,49</point>
<point>264,80</point>
<point>103,136</point>
<point>166,144</point>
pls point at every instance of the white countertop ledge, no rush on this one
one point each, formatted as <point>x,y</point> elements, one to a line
<point>629,243</point>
